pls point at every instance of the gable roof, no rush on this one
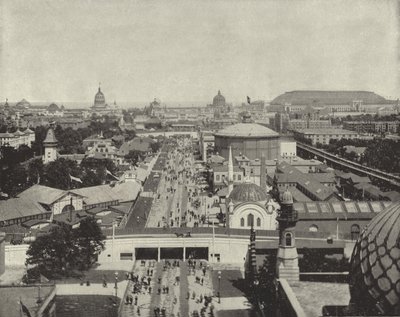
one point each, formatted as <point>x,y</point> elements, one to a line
<point>43,194</point>
<point>15,208</point>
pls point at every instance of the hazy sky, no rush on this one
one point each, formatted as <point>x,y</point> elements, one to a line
<point>58,50</point>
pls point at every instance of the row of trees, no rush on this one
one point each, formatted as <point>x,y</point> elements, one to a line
<point>382,154</point>
<point>56,174</point>
<point>64,249</point>
<point>70,140</point>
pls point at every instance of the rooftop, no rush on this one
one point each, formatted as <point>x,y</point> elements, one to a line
<point>326,131</point>
<point>312,296</point>
<point>324,97</point>
<point>249,130</point>
<point>10,297</point>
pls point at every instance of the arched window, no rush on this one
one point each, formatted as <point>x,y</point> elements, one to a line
<point>288,239</point>
<point>313,228</point>
<point>68,208</point>
<point>250,220</point>
<point>258,222</point>
<point>242,222</point>
<point>355,231</point>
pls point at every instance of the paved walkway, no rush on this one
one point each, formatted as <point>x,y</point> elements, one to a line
<point>92,289</point>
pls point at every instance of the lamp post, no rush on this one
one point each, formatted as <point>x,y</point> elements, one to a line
<point>219,287</point>
<point>116,284</point>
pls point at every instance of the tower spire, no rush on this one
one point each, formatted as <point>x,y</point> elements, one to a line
<point>230,172</point>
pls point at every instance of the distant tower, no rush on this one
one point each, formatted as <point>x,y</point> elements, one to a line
<point>287,265</point>
<point>230,172</point>
<point>50,146</point>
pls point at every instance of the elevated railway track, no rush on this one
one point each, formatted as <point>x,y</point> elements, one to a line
<point>350,165</point>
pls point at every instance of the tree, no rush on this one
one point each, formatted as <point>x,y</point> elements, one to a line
<point>35,171</point>
<point>155,146</point>
<point>134,157</point>
<point>55,252</point>
<point>90,241</point>
<point>64,249</point>
<point>13,180</point>
<point>57,174</point>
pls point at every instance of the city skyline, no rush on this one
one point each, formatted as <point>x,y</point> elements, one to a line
<point>188,50</point>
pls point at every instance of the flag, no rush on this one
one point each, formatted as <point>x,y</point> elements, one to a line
<point>248,100</point>
<point>111,174</point>
<point>25,309</point>
<point>43,279</point>
<point>76,179</point>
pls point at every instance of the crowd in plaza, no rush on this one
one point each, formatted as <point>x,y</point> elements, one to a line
<point>155,289</point>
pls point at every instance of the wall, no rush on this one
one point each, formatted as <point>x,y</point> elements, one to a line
<point>230,250</point>
<point>2,253</point>
<point>16,254</point>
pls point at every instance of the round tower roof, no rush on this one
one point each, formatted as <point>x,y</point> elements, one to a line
<point>375,264</point>
<point>248,192</point>
<point>247,130</point>
<point>219,100</point>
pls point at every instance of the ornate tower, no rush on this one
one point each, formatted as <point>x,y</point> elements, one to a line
<point>230,172</point>
<point>50,146</point>
<point>287,265</point>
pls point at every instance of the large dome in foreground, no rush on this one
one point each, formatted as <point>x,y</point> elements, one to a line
<point>248,192</point>
<point>375,265</point>
<point>247,130</point>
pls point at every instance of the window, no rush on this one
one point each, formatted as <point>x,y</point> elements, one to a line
<point>218,178</point>
<point>250,220</point>
<point>258,222</point>
<point>355,231</point>
<point>242,222</point>
<point>288,239</point>
<point>313,228</point>
<point>234,177</point>
<point>239,177</point>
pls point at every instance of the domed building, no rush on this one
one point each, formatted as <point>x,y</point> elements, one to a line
<point>219,100</point>
<point>247,138</point>
<point>99,100</point>
<point>100,107</point>
<point>250,206</point>
<point>375,267</point>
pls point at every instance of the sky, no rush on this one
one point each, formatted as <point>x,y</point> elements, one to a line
<point>186,50</point>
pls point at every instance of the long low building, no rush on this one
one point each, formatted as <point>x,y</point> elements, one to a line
<point>42,203</point>
<point>324,136</point>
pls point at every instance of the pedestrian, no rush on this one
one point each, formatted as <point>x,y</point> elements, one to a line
<point>159,291</point>
<point>138,311</point>
<point>202,281</point>
<point>193,295</point>
<point>148,272</point>
<point>149,289</point>
<point>167,289</point>
<point>136,300</point>
<point>204,271</point>
<point>151,272</point>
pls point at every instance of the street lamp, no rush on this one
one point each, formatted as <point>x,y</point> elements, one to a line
<point>116,284</point>
<point>219,287</point>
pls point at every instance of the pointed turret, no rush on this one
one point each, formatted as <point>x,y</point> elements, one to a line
<point>230,172</point>
<point>50,146</point>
